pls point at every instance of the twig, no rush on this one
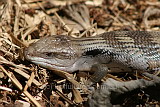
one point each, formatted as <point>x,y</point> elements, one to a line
<point>19,86</point>
<point>63,23</point>
<point>88,30</point>
<point>29,82</point>
<point>5,88</point>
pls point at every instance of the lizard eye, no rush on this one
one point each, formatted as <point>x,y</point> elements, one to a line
<point>59,55</point>
<point>49,54</point>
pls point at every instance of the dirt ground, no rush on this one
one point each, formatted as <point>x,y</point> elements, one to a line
<point>22,22</point>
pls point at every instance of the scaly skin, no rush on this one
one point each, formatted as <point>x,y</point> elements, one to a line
<point>121,51</point>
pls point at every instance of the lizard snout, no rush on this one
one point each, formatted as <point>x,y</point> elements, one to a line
<point>29,52</point>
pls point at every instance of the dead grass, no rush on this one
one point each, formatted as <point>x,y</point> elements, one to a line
<point>25,21</point>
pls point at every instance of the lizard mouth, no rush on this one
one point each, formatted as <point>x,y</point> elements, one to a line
<point>44,62</point>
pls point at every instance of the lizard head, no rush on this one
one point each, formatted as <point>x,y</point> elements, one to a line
<point>53,52</point>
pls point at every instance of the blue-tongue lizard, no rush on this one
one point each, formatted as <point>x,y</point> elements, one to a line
<point>116,51</point>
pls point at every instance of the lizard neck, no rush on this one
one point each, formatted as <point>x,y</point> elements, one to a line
<point>93,46</point>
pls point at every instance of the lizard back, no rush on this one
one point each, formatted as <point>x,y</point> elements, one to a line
<point>133,49</point>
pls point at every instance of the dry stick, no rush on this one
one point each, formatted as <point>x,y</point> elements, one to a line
<point>30,30</point>
<point>20,69</point>
<point>64,97</point>
<point>20,87</point>
<point>48,17</point>
<point>25,75</point>
<point>77,96</point>
<point>19,3</point>
<point>60,19</point>
<point>70,78</point>
<point>5,88</point>
<point>4,61</point>
<point>153,3</point>
<point>88,29</point>
<point>29,82</point>
<point>111,76</point>
<point>17,41</point>
<point>17,17</point>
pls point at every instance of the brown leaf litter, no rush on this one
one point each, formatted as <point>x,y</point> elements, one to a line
<point>23,22</point>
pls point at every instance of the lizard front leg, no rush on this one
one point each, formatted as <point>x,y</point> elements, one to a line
<point>100,71</point>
